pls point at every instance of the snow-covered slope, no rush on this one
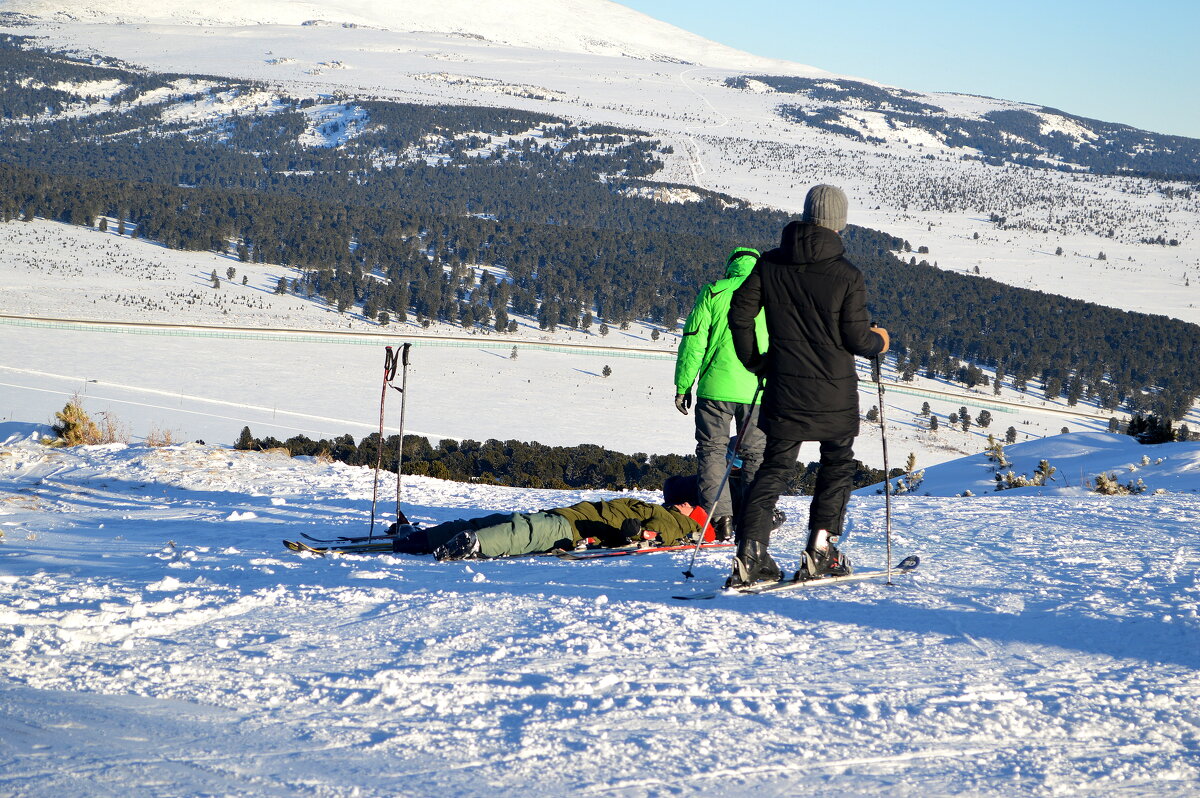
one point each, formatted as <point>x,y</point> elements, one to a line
<point>598,27</point>
<point>156,639</point>
<point>208,384</point>
<point>1078,459</point>
<point>1093,237</point>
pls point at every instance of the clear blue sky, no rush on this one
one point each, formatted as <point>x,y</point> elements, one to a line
<point>1137,63</point>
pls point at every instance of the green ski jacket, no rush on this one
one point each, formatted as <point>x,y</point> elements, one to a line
<point>603,520</point>
<point>706,349</point>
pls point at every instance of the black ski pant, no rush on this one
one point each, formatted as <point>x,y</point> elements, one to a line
<point>828,508</point>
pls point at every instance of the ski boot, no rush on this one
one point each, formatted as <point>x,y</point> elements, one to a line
<point>463,546</point>
<point>822,558</point>
<point>722,527</point>
<point>752,565</point>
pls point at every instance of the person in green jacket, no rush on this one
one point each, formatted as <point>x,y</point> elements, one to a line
<point>725,391</point>
<point>614,522</point>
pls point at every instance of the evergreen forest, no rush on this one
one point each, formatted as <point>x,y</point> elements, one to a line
<point>470,215</point>
<point>519,464</point>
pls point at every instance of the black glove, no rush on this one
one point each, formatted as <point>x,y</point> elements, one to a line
<point>683,401</point>
<point>756,364</point>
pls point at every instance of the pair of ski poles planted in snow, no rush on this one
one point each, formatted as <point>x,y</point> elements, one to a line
<point>391,362</point>
<point>876,375</point>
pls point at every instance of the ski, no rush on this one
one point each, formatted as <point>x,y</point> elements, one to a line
<point>907,565</point>
<point>382,538</point>
<point>596,554</point>
<point>401,519</point>
<point>383,547</point>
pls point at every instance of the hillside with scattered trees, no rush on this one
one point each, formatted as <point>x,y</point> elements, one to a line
<point>472,215</point>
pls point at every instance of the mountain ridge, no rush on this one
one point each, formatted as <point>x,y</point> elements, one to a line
<point>598,27</point>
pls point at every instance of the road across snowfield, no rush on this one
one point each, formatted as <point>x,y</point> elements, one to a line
<point>155,638</point>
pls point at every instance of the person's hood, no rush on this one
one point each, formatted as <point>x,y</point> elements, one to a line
<point>741,261</point>
<point>802,242</point>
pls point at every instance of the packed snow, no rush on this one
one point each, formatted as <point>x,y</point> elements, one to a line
<point>156,639</point>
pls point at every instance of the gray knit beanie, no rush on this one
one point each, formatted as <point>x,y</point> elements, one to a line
<point>825,206</point>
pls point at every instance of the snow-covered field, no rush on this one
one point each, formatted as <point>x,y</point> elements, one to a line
<point>156,639</point>
<point>323,379</point>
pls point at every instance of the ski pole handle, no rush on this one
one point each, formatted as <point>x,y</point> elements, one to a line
<point>876,365</point>
<point>404,354</point>
<point>389,365</point>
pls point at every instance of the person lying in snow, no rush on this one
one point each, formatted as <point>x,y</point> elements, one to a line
<point>616,522</point>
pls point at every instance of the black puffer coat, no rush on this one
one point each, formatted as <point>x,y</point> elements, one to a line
<point>817,321</point>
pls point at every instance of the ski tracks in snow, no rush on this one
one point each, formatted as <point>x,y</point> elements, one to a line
<point>1035,652</point>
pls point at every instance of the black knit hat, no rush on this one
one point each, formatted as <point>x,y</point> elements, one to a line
<point>680,490</point>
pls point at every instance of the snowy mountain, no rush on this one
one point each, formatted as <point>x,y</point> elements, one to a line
<point>1027,195</point>
<point>597,27</point>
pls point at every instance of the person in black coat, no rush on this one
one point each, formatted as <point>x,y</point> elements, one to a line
<point>815,306</point>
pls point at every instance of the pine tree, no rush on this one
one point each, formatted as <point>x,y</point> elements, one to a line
<point>245,441</point>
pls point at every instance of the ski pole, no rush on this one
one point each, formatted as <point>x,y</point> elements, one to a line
<point>737,449</point>
<point>389,373</point>
<point>877,375</point>
<point>403,401</point>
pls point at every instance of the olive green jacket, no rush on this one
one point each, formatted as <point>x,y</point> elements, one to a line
<point>603,520</point>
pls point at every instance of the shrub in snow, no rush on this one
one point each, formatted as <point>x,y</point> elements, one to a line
<point>995,453</point>
<point>75,428</point>
<point>910,481</point>
<point>1108,485</point>
<point>1044,473</point>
